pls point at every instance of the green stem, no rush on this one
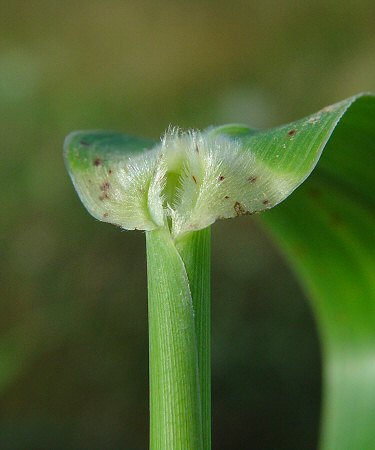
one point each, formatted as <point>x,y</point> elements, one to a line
<point>179,341</point>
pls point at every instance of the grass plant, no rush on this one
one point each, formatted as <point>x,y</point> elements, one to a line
<point>176,189</point>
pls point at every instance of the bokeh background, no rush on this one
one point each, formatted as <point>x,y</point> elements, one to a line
<point>73,322</point>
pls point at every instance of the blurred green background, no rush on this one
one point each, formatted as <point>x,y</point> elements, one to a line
<point>73,323</point>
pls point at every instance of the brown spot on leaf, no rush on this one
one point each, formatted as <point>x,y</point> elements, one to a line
<point>240,210</point>
<point>221,178</point>
<point>104,186</point>
<point>292,132</point>
<point>103,196</point>
<point>194,179</point>
<point>252,179</point>
<point>98,162</point>
<point>266,202</point>
<point>110,171</point>
<point>226,197</point>
<point>105,215</point>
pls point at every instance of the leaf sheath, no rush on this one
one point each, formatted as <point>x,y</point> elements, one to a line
<point>176,332</point>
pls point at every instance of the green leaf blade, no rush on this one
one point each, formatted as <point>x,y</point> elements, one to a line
<point>290,152</point>
<point>83,149</point>
<point>99,164</point>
